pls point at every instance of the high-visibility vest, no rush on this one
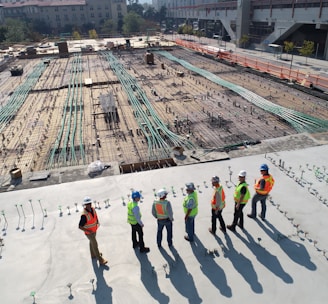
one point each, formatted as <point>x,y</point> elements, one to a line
<point>194,211</point>
<point>92,221</point>
<point>220,190</point>
<point>161,209</point>
<point>237,193</point>
<point>131,218</point>
<point>269,182</point>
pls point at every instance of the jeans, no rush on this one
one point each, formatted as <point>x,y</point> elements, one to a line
<point>215,216</point>
<point>167,223</point>
<point>262,198</point>
<point>190,227</point>
<point>137,229</point>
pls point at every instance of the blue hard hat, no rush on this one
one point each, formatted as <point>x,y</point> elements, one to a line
<point>264,167</point>
<point>136,194</point>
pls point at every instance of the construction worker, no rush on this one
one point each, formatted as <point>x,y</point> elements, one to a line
<point>190,207</point>
<point>89,224</point>
<point>217,204</point>
<point>134,218</point>
<point>162,211</point>
<point>262,187</point>
<point>241,197</point>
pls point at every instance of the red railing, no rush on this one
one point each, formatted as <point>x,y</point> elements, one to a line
<point>280,71</point>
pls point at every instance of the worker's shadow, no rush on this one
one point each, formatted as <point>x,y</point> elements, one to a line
<point>149,278</point>
<point>240,263</point>
<point>180,278</point>
<point>210,268</point>
<point>102,292</point>
<point>266,258</point>
<point>296,251</point>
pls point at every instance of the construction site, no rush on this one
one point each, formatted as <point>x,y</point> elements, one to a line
<point>141,109</point>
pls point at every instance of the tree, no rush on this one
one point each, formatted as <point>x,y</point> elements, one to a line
<point>288,46</point>
<point>107,27</point>
<point>162,13</point>
<point>244,40</point>
<point>76,35</point>
<point>307,49</point>
<point>135,7</point>
<point>3,31</point>
<point>132,23</point>
<point>185,29</point>
<point>16,30</point>
<point>150,13</point>
<point>40,26</point>
<point>93,34</point>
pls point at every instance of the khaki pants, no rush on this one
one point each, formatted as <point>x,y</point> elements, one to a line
<point>94,251</point>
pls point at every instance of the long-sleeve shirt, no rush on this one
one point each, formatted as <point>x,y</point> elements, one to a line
<point>168,208</point>
<point>137,215</point>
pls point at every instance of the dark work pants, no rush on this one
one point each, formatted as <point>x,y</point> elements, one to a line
<point>217,216</point>
<point>238,216</point>
<point>137,230</point>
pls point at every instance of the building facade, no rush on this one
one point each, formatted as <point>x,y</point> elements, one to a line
<point>60,14</point>
<point>263,21</point>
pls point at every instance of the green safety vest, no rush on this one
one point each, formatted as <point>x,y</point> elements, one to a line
<point>194,211</point>
<point>237,194</point>
<point>131,218</point>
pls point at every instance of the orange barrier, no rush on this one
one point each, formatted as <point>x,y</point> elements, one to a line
<point>282,72</point>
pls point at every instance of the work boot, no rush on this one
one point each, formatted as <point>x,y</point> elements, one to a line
<point>145,249</point>
<point>103,262</point>
<point>232,228</point>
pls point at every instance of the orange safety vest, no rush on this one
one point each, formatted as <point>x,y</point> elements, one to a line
<point>161,209</point>
<point>92,221</point>
<point>269,182</point>
<point>220,190</point>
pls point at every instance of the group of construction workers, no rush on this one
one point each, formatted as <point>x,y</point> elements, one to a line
<point>162,211</point>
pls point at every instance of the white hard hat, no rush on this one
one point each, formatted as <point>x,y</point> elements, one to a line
<point>87,200</point>
<point>215,179</point>
<point>162,193</point>
<point>242,173</point>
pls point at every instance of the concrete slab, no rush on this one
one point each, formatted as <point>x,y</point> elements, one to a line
<point>283,259</point>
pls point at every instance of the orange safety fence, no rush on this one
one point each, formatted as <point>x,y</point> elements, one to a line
<point>279,71</point>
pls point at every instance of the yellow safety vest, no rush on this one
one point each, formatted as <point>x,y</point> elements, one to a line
<point>194,211</point>
<point>237,193</point>
<point>131,218</point>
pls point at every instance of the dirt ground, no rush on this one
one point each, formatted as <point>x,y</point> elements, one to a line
<point>208,115</point>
